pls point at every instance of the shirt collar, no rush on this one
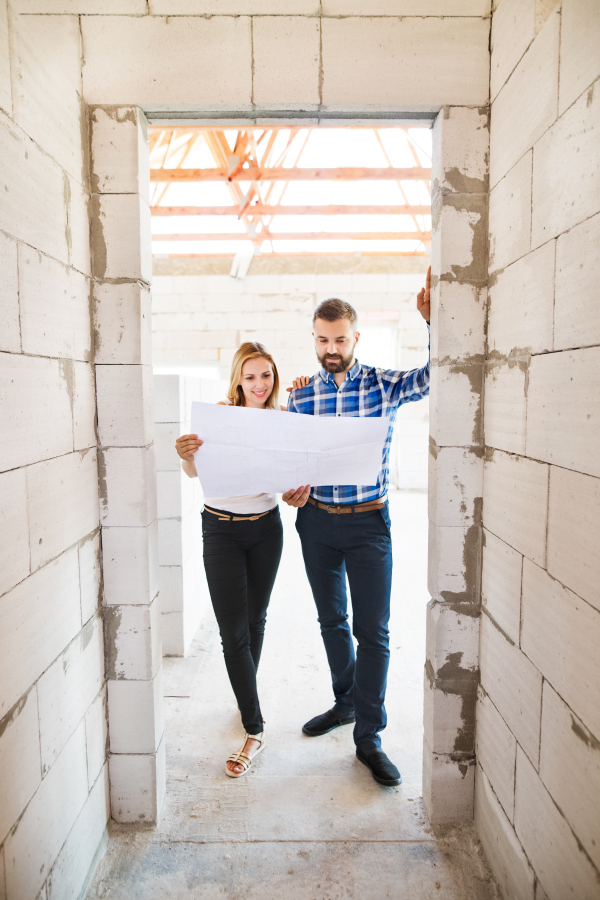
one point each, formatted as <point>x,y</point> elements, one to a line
<point>351,374</point>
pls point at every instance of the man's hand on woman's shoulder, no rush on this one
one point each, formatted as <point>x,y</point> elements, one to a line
<point>299,382</point>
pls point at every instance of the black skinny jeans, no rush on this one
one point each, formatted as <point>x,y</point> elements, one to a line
<point>241,561</point>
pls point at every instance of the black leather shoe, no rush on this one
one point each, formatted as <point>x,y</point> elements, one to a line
<point>326,722</point>
<point>382,769</point>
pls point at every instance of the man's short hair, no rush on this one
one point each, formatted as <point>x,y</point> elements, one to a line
<point>333,309</point>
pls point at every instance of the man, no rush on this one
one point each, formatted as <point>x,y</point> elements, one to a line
<point>345,530</point>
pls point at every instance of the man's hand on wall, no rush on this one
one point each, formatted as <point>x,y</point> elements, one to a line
<point>423,297</point>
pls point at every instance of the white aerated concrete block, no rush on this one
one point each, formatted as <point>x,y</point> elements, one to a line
<point>20,764</point>
<point>79,226</point>
<point>125,411</point>
<point>579,50</point>
<point>133,643</point>
<point>135,715</point>
<point>33,846</point>
<point>576,310</point>
<point>6,104</point>
<point>123,323</point>
<point>510,216</point>
<point>559,861</point>
<point>170,495</point>
<point>172,624</point>
<point>72,866</point>
<point>67,688</point>
<point>448,787</point>
<point>120,156</point>
<point>521,305</point>
<point>90,569</point>
<point>453,560</point>
<point>563,409</point>
<point>38,217</point>
<point>513,684</point>
<point>501,584</point>
<point>570,147</point>
<point>121,246</point>
<point>573,527</point>
<point>168,399</point>
<point>55,307</point>
<point>275,41</point>
<point>513,29</point>
<point>137,786</point>
<point>560,634</point>
<point>42,613</point>
<point>515,498</point>
<point>130,564</point>
<point>170,594</point>
<point>128,486</point>
<point>458,237</point>
<point>452,640</point>
<point>496,750</point>
<point>455,419</point>
<point>444,725</point>
<point>10,334</point>
<point>460,150</point>
<point>568,746</point>
<point>527,104</point>
<point>388,50</point>
<point>46,76</point>
<point>151,60</point>
<point>96,736</point>
<point>62,490</point>
<point>14,529</point>
<point>457,322</point>
<point>455,486</point>
<point>502,847</point>
<point>84,406</point>
<point>35,409</point>
<point>505,410</point>
<point>167,459</point>
<point>232,7</point>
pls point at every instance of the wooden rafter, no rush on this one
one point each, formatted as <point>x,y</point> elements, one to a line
<point>264,209</point>
<point>301,236</point>
<point>260,173</point>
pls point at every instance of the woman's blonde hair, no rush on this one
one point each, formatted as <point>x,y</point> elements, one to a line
<point>251,350</point>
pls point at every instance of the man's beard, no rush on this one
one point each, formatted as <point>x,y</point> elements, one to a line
<point>336,363</point>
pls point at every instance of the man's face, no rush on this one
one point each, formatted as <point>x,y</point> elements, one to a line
<point>335,343</point>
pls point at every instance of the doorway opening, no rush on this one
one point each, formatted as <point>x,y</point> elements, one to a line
<point>251,228</point>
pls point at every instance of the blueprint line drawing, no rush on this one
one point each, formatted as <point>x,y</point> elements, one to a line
<point>250,451</point>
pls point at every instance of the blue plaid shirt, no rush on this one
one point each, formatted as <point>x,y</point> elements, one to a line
<point>365,392</point>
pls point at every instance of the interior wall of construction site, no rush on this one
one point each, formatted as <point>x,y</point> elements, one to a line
<point>538,719</point>
<point>53,728</point>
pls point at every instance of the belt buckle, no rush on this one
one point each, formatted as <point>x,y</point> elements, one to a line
<point>333,509</point>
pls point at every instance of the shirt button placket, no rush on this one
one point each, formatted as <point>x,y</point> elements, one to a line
<point>338,412</point>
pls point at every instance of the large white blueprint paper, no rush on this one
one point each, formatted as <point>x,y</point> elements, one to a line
<point>248,451</point>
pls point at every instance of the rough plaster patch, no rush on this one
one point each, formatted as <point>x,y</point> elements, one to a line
<point>465,227</point>
<point>472,565</point>
<point>112,624</point>
<point>67,373</point>
<point>98,242</point>
<point>13,714</point>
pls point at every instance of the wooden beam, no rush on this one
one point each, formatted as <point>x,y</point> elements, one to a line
<point>256,173</point>
<point>301,236</point>
<point>350,253</point>
<point>263,209</point>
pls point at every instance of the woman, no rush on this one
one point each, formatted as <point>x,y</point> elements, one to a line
<point>243,539</point>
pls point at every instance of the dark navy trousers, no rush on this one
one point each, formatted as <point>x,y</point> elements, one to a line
<point>357,545</point>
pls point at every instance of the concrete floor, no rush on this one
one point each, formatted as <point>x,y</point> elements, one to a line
<point>308,821</point>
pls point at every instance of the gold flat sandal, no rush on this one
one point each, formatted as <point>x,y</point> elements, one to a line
<point>241,758</point>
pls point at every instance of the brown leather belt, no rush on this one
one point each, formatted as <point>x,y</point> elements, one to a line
<point>227,517</point>
<point>350,507</point>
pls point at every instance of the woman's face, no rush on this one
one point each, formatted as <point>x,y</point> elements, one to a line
<point>257,381</point>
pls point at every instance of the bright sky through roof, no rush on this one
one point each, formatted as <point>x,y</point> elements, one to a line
<point>327,147</point>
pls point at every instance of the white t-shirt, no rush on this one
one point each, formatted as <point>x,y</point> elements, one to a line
<point>245,505</point>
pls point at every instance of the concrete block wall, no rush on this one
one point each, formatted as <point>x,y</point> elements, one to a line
<point>53,769</point>
<point>459,242</point>
<point>183,591</point>
<point>121,265</point>
<point>202,319</point>
<point>538,729</point>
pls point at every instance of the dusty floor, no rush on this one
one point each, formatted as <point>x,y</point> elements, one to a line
<point>308,821</point>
